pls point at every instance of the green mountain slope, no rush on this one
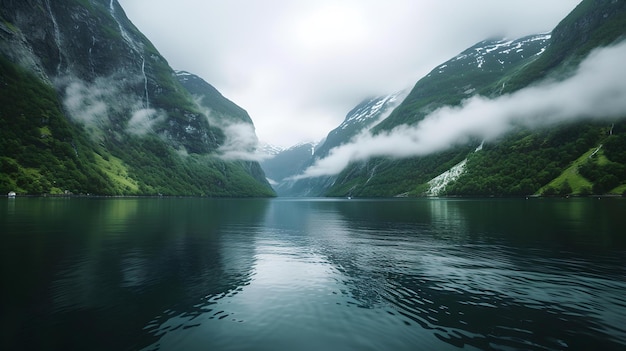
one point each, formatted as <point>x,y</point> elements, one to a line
<point>41,152</point>
<point>524,161</point>
<point>471,72</point>
<point>592,24</point>
<point>90,106</point>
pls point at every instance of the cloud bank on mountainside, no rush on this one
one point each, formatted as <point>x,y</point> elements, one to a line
<point>97,104</point>
<point>596,91</point>
<point>241,142</point>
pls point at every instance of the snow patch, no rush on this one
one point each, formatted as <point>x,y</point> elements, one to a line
<point>480,61</point>
<point>386,103</point>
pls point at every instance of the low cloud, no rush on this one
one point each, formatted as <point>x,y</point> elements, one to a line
<point>97,104</point>
<point>596,91</point>
<point>144,120</point>
<point>89,104</point>
<point>241,142</point>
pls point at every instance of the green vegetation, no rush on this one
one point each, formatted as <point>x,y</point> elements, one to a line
<point>523,162</point>
<point>41,151</point>
<point>160,170</point>
<point>606,167</point>
<point>384,178</point>
<point>118,172</point>
<point>460,79</point>
<point>601,170</point>
<point>546,163</point>
<point>211,97</point>
<point>44,152</point>
<point>592,24</point>
<point>555,161</point>
<point>570,178</point>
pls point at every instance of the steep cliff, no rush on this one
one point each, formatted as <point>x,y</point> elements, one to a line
<point>92,107</point>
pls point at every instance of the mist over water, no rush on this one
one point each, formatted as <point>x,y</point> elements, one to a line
<point>267,274</point>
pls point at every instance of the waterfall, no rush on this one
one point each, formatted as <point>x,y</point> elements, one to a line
<point>372,174</point>
<point>123,31</point>
<point>145,81</point>
<point>92,67</point>
<point>57,36</point>
<point>136,49</point>
<point>439,183</point>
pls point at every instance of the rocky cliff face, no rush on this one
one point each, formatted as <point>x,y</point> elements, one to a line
<point>94,56</point>
<point>113,84</point>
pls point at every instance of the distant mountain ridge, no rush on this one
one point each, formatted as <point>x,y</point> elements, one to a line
<point>293,161</point>
<point>270,149</point>
<point>287,162</point>
<point>92,107</point>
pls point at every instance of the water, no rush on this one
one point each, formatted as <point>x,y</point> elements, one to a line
<point>312,274</point>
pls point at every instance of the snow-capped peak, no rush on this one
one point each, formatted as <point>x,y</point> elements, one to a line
<point>498,52</point>
<point>270,149</point>
<point>372,108</point>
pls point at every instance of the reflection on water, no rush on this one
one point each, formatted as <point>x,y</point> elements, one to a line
<point>196,274</point>
<point>113,264</point>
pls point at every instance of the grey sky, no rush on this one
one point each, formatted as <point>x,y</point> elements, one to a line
<point>298,67</point>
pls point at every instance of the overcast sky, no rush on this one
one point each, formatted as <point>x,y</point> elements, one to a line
<point>298,66</point>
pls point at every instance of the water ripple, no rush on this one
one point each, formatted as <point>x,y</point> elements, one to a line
<point>197,274</point>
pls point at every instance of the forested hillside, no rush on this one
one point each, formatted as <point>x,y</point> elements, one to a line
<point>89,106</point>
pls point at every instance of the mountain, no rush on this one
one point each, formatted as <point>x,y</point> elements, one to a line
<point>470,73</point>
<point>240,141</point>
<point>362,117</point>
<point>287,163</point>
<point>452,81</point>
<point>220,108</point>
<point>270,149</point>
<point>292,162</point>
<point>571,156</point>
<point>89,106</point>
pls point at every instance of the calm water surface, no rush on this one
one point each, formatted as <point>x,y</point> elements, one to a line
<point>312,274</point>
